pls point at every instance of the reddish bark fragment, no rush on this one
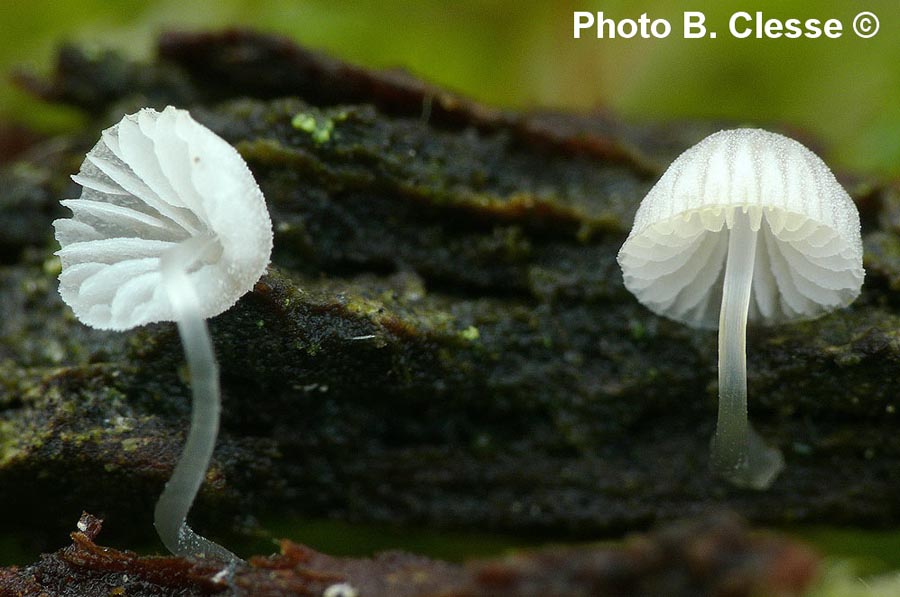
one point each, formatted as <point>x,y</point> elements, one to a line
<point>717,555</point>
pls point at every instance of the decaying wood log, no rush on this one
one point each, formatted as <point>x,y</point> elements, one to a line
<point>443,336</point>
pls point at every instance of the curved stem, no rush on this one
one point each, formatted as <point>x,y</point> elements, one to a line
<point>173,505</point>
<point>738,453</point>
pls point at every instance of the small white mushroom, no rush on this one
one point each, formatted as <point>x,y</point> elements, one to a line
<point>170,226</point>
<point>745,224</point>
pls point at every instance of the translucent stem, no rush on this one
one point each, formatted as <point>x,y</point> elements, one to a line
<point>738,453</point>
<point>172,508</point>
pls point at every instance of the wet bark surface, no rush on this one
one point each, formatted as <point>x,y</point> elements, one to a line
<point>443,337</point>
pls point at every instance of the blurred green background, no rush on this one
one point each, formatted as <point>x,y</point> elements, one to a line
<point>522,54</point>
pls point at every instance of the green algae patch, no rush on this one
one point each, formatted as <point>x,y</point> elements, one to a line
<point>320,126</point>
<point>131,444</point>
<point>15,442</point>
<point>470,333</point>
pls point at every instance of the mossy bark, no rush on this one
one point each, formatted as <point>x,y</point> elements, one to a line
<point>443,336</point>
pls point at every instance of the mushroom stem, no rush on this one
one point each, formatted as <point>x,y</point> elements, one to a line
<point>175,501</point>
<point>738,453</point>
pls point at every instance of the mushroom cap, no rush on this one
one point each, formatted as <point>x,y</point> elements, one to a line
<point>160,184</point>
<point>809,251</point>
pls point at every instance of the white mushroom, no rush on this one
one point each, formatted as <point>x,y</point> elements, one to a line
<point>746,223</point>
<point>170,226</point>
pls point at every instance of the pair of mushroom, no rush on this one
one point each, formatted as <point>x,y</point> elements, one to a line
<point>171,226</point>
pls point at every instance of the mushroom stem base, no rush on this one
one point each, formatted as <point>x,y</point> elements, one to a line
<point>738,453</point>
